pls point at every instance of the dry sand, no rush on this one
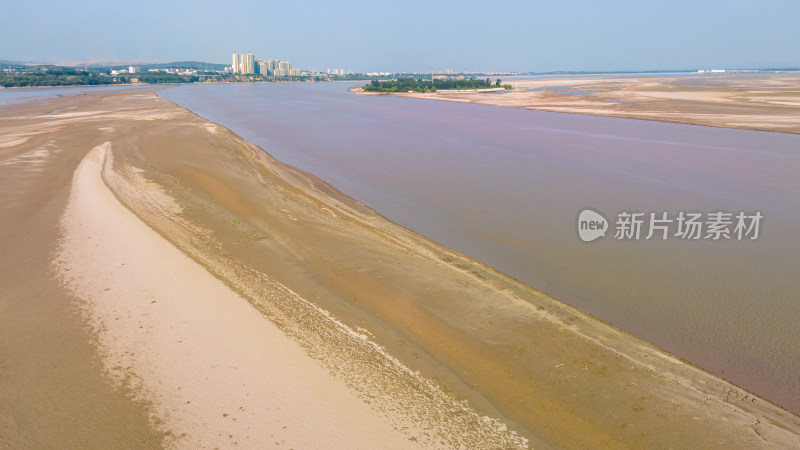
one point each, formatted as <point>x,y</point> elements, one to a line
<point>215,372</point>
<point>766,102</point>
<point>381,333</point>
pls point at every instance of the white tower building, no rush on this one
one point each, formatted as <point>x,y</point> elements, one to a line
<point>248,64</point>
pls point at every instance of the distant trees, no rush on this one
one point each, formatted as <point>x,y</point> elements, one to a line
<point>56,77</point>
<point>164,77</point>
<point>410,84</point>
<point>72,77</point>
<point>400,85</point>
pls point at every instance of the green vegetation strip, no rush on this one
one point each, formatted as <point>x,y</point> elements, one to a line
<point>413,85</point>
<point>70,77</point>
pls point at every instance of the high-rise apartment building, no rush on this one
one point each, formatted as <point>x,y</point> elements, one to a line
<point>244,63</point>
<point>249,66</point>
<point>283,68</point>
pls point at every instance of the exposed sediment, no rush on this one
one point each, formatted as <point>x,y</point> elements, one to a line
<point>764,102</point>
<point>447,351</point>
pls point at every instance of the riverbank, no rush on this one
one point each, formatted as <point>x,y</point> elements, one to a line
<point>767,102</point>
<point>158,312</point>
<point>301,254</point>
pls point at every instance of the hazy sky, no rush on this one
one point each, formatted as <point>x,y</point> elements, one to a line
<point>411,35</point>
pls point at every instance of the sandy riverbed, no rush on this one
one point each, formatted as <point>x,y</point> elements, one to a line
<point>215,373</point>
<point>766,102</point>
<point>268,299</point>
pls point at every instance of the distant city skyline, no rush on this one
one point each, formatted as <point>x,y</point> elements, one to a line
<point>249,64</point>
<point>415,36</point>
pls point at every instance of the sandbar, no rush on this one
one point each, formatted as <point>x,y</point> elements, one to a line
<point>232,257</point>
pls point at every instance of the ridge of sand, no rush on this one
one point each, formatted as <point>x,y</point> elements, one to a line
<point>214,370</point>
<point>313,261</point>
<point>562,377</point>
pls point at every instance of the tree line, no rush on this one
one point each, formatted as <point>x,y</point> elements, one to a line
<point>72,77</point>
<point>419,85</point>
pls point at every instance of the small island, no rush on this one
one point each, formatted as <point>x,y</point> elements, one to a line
<point>418,85</point>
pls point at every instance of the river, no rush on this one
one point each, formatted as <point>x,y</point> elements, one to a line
<point>506,186</point>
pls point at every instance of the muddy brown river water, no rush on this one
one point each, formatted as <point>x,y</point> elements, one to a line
<point>506,186</point>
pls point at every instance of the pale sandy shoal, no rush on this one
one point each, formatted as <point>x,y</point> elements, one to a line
<point>691,399</point>
<point>734,102</point>
<point>210,365</point>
